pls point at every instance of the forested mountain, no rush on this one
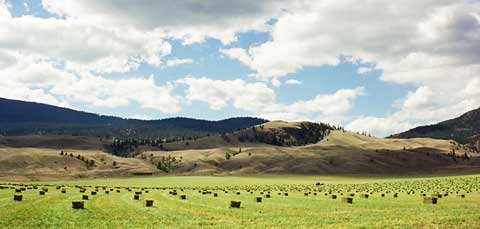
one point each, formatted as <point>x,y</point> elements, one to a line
<point>464,129</point>
<point>20,117</point>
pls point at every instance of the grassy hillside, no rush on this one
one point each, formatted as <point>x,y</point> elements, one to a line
<point>38,164</point>
<point>339,152</point>
<point>55,142</point>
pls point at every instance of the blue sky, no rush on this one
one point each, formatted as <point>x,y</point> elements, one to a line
<point>277,60</point>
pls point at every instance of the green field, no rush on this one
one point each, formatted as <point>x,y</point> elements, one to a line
<point>309,203</point>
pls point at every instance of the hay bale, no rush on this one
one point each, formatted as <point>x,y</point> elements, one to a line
<point>183,197</point>
<point>17,197</point>
<point>149,203</point>
<point>77,204</point>
<point>84,197</point>
<point>430,200</point>
<point>258,199</point>
<point>235,204</point>
<point>136,197</point>
<point>348,200</point>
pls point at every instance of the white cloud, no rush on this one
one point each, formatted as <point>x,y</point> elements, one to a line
<point>33,79</point>
<point>293,81</point>
<point>320,32</point>
<point>141,117</point>
<point>174,62</point>
<point>189,20</point>
<point>218,93</point>
<point>378,125</point>
<point>422,98</point>
<point>81,44</point>
<point>432,45</point>
<point>328,104</point>
<point>27,9</point>
<point>364,70</point>
<point>103,92</point>
<point>258,99</point>
<point>60,61</point>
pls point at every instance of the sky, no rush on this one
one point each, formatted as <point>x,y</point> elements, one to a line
<point>379,67</point>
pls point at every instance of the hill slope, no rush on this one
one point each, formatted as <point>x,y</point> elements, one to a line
<point>275,133</point>
<point>22,118</point>
<point>335,153</point>
<point>339,152</point>
<point>464,129</point>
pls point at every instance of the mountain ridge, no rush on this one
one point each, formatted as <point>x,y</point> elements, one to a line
<point>22,117</point>
<point>464,129</point>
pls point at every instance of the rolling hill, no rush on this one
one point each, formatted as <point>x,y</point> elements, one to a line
<point>26,118</point>
<point>335,151</point>
<point>464,129</point>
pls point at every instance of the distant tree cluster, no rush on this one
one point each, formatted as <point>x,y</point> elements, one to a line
<point>166,163</point>
<point>126,147</point>
<point>288,136</point>
<point>455,156</point>
<point>89,163</point>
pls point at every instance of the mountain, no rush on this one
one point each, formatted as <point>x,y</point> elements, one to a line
<point>23,118</point>
<point>464,129</point>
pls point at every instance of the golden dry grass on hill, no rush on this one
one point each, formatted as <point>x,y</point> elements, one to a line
<point>341,152</point>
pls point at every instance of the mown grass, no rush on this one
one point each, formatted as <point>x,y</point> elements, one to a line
<point>119,210</point>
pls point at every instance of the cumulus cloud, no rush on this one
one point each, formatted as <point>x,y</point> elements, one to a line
<point>293,81</point>
<point>432,45</point>
<point>189,20</point>
<point>218,93</point>
<point>260,100</point>
<point>174,62</point>
<point>33,79</point>
<point>364,70</point>
<point>79,44</point>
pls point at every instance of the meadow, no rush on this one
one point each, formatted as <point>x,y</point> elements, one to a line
<point>286,202</point>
